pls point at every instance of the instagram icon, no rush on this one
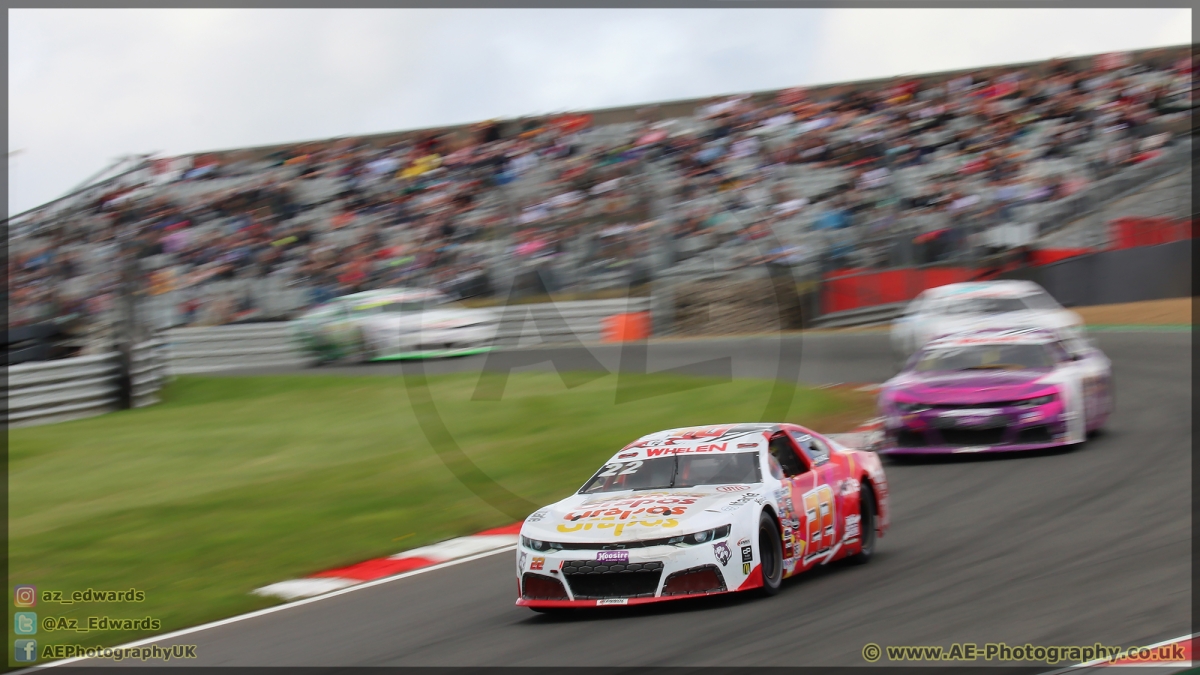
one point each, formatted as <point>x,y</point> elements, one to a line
<point>25,596</point>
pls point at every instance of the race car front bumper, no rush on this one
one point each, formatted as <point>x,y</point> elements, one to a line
<point>974,429</point>
<point>590,578</point>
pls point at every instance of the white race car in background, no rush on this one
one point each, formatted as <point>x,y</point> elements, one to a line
<point>955,308</point>
<point>394,324</point>
<point>703,510</point>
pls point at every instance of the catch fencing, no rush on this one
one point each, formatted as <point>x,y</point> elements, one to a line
<point>86,386</point>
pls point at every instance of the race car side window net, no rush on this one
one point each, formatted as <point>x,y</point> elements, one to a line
<point>782,451</point>
<point>817,452</point>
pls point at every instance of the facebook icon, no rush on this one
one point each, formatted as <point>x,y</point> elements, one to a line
<point>26,650</point>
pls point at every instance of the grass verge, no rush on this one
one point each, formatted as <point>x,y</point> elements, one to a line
<point>234,483</point>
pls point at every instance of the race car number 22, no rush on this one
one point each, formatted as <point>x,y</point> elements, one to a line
<point>612,469</point>
<point>818,511</point>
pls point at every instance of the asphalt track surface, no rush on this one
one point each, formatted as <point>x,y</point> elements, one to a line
<point>1067,548</point>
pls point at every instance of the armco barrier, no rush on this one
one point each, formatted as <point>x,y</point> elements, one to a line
<point>216,348</point>
<point>69,389</point>
<point>524,325</point>
<point>862,317</point>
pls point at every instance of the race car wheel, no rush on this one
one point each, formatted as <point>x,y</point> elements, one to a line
<point>770,548</point>
<point>866,526</point>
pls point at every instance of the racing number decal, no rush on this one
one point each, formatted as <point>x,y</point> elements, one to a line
<point>818,512</point>
<point>632,467</point>
<point>611,469</point>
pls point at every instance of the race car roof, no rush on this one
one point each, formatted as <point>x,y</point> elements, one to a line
<point>995,336</point>
<point>986,289</point>
<point>714,438</point>
<point>368,298</point>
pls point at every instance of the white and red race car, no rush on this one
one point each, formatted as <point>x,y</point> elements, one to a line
<point>700,511</point>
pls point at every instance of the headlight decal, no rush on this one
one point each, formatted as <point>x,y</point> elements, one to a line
<point>693,539</point>
<point>909,408</point>
<point>1040,400</point>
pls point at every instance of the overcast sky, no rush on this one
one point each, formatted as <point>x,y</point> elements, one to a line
<point>87,86</point>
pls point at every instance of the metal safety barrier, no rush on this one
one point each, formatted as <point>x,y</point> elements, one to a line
<point>216,348</point>
<point>263,345</point>
<point>878,315</point>
<point>525,325</point>
<point>75,388</point>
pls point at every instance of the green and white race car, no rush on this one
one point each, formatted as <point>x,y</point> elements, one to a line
<point>394,324</point>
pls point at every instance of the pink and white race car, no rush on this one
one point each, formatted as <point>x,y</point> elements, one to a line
<point>996,390</point>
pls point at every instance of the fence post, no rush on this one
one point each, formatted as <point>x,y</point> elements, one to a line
<point>662,305</point>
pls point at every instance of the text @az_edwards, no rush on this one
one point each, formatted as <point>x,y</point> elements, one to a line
<point>999,651</point>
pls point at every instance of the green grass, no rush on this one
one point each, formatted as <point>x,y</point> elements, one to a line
<point>1141,328</point>
<point>232,483</point>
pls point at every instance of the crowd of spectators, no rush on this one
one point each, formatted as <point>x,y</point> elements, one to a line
<point>981,148</point>
<point>838,175</point>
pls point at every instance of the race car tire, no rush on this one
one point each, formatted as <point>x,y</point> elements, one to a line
<point>866,526</point>
<point>321,358</point>
<point>770,548</point>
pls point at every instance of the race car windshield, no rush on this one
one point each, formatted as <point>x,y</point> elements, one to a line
<point>984,306</point>
<point>677,471</point>
<point>986,357</point>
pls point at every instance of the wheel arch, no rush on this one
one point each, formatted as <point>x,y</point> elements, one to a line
<point>867,483</point>
<point>770,511</point>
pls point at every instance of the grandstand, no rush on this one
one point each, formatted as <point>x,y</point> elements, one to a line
<point>936,169</point>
